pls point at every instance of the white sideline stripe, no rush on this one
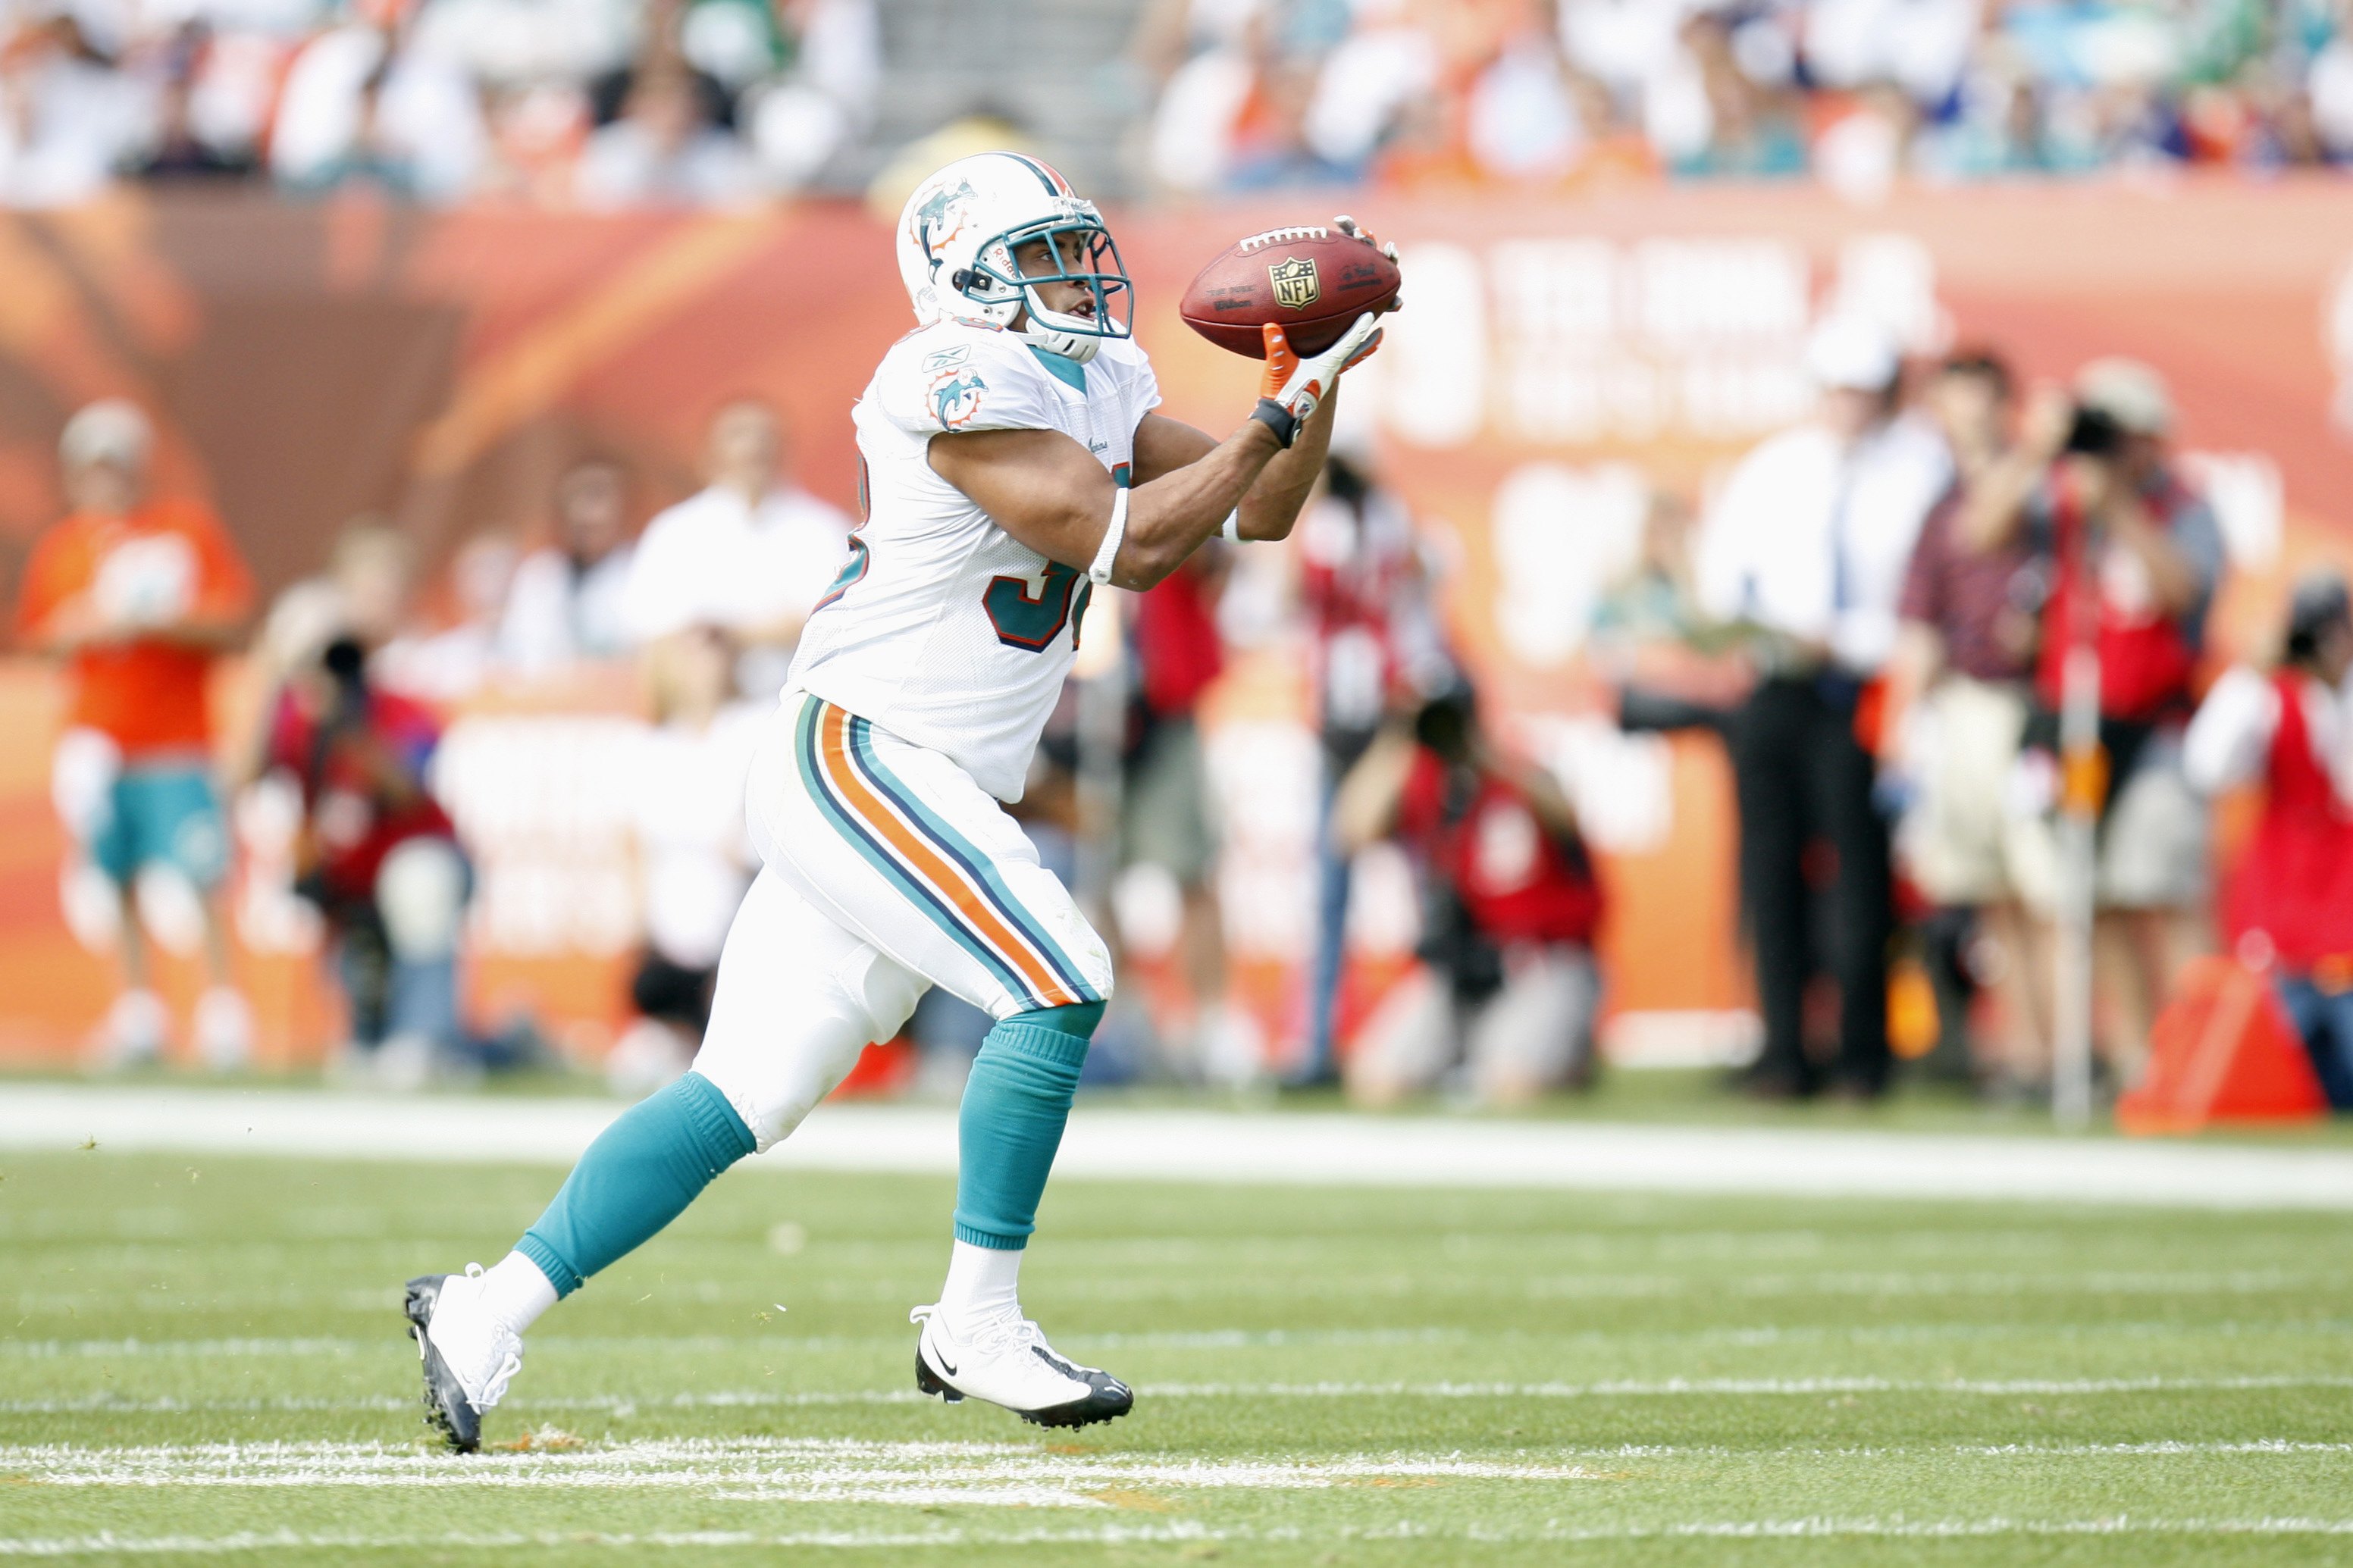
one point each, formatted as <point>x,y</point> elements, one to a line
<point>1319,1150</point>
<point>105,1403</point>
<point>110,1543</point>
<point>751,1469</point>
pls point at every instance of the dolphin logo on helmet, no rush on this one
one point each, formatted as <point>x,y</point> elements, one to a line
<point>957,237</point>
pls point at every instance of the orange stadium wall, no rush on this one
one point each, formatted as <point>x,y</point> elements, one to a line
<point>309,362</point>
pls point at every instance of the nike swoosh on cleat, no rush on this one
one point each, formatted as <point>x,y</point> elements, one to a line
<point>947,1366</point>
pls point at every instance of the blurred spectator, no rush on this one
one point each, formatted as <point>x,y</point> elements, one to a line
<point>751,554</point>
<point>664,151</point>
<point>564,605</point>
<point>68,117</point>
<point>378,857</point>
<point>1210,57</point>
<point>821,96</point>
<point>1365,587</point>
<point>1961,679</point>
<point>138,594</point>
<point>511,44</point>
<point>2289,902</point>
<point>1166,818</point>
<point>2138,558</point>
<point>365,102</point>
<point>180,149</point>
<point>1673,666</point>
<point>1753,131</point>
<point>1807,543</point>
<point>686,800</point>
<point>1508,986</point>
<point>450,665</point>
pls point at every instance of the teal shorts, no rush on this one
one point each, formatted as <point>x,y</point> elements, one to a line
<point>166,814</point>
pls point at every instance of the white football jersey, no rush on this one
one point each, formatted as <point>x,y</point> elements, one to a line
<point>942,628</point>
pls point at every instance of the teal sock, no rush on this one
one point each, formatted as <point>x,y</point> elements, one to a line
<point>1015,1104</point>
<point>638,1177</point>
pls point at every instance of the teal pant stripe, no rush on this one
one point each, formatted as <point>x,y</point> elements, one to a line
<point>638,1177</point>
<point>958,848</point>
<point>1015,1105</point>
<point>855,833</point>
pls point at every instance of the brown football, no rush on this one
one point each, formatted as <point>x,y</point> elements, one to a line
<point>1311,281</point>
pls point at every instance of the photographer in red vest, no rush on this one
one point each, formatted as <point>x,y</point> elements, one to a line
<point>1509,992</point>
<point>2289,903</point>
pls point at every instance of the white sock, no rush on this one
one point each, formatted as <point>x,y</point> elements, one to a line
<point>516,1291</point>
<point>983,1283</point>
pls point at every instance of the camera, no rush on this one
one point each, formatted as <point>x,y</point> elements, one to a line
<point>2094,433</point>
<point>1444,722</point>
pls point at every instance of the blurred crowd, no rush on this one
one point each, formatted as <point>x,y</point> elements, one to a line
<point>1937,622</point>
<point>588,104</point>
<point>1932,623</point>
<point>600,104</point>
<point>1547,94</point>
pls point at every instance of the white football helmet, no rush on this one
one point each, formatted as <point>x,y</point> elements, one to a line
<point>957,237</point>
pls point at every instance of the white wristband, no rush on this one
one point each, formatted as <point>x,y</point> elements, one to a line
<point>1233,529</point>
<point>1101,571</point>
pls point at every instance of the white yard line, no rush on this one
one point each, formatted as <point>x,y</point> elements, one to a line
<point>1213,1146</point>
<point>113,1544</point>
<point>750,1469</point>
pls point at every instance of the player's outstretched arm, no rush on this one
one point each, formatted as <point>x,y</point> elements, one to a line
<point>1045,490</point>
<point>1273,502</point>
<point>1052,494</point>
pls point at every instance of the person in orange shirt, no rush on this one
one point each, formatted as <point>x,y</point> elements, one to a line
<point>138,595</point>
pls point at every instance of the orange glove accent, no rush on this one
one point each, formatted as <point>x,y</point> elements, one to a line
<point>1282,362</point>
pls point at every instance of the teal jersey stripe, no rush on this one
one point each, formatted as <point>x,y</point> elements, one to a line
<point>958,848</point>
<point>923,896</point>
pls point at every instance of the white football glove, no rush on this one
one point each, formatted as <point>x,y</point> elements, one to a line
<point>1299,386</point>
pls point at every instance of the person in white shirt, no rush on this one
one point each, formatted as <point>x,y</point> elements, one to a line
<point>694,856</point>
<point>664,152</point>
<point>363,98</point>
<point>751,554</point>
<point>1807,546</point>
<point>564,605</point>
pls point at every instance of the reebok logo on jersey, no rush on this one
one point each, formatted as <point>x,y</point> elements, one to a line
<point>955,397</point>
<point>946,359</point>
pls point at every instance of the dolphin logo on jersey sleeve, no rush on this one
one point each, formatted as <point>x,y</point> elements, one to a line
<point>955,397</point>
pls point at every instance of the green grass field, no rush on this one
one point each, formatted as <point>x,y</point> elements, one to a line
<point>204,1357</point>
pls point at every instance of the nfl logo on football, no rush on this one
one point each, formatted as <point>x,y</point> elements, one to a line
<point>1295,282</point>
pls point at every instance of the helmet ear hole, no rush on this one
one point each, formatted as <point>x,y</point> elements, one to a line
<point>962,279</point>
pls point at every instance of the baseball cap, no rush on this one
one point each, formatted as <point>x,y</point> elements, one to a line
<point>111,430</point>
<point>2127,392</point>
<point>1853,353</point>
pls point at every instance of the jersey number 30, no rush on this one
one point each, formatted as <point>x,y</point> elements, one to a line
<point>1031,621</point>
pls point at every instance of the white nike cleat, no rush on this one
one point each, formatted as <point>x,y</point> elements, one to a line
<point>470,1354</point>
<point>1008,1362</point>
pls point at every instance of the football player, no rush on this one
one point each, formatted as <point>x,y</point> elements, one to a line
<point>1012,463</point>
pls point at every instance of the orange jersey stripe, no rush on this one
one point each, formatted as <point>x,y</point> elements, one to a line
<point>920,857</point>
